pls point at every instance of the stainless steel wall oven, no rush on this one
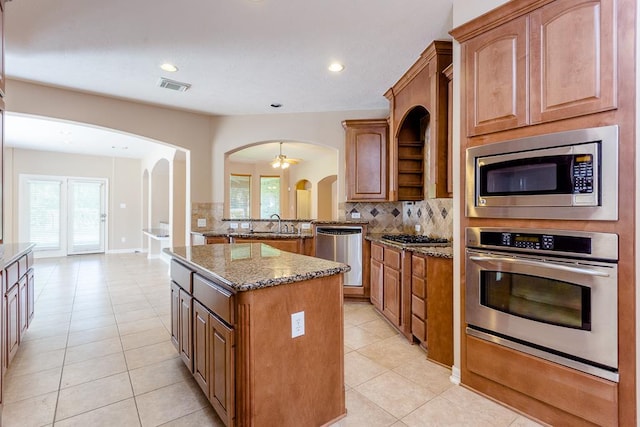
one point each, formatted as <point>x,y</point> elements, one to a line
<point>549,293</point>
<point>564,175</point>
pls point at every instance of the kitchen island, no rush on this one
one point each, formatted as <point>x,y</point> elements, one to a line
<point>261,330</point>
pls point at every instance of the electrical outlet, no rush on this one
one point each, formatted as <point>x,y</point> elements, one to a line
<point>202,222</point>
<point>306,226</point>
<point>244,225</point>
<point>297,324</point>
<point>233,225</point>
<point>355,215</point>
<point>123,239</point>
<point>417,228</point>
<point>123,205</point>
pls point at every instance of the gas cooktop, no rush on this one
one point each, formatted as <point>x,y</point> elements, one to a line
<point>415,240</point>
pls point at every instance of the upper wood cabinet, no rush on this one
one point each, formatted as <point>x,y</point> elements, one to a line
<point>366,159</point>
<point>545,64</point>
<point>418,155</point>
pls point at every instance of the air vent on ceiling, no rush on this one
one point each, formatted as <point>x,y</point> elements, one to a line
<point>173,85</point>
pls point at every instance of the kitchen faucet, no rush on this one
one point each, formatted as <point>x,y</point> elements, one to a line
<point>279,221</point>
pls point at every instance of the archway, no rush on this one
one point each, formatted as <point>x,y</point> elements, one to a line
<point>327,198</point>
<point>303,199</point>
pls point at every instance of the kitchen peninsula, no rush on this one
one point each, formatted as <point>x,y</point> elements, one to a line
<point>261,330</point>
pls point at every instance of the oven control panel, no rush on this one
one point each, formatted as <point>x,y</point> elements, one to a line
<point>528,241</point>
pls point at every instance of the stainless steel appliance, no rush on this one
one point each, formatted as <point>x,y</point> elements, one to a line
<point>550,293</point>
<point>342,244</point>
<point>564,175</point>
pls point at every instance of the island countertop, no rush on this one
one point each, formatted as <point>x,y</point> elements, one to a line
<point>250,266</point>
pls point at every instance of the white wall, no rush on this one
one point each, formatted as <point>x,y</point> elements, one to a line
<point>232,132</point>
<point>125,184</point>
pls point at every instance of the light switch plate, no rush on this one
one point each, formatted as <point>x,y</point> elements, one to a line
<point>355,215</point>
<point>297,324</point>
<point>306,226</point>
<point>244,225</point>
<point>202,222</point>
<point>234,225</point>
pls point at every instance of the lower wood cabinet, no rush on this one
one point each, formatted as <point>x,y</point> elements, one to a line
<point>12,322</point>
<point>432,306</point>
<point>377,275</point>
<point>175,315</point>
<point>185,328</point>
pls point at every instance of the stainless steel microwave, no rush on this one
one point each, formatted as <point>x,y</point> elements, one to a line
<point>564,175</point>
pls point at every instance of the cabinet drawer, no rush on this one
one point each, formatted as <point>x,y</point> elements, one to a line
<point>377,252</point>
<point>418,287</point>
<point>182,276</point>
<point>418,265</point>
<point>418,307</point>
<point>22,266</point>
<point>30,260</point>
<point>13,274</point>
<point>215,298</point>
<point>392,258</point>
<point>418,328</point>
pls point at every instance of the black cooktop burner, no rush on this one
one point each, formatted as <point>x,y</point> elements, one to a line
<point>414,239</point>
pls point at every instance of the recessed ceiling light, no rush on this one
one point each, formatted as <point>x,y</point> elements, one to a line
<point>336,67</point>
<point>169,67</point>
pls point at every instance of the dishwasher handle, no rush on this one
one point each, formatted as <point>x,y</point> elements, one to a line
<point>338,231</point>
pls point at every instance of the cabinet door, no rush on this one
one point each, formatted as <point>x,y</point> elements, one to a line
<point>186,348</point>
<point>222,390</point>
<point>366,158</point>
<point>175,315</point>
<point>12,323</point>
<point>201,347</point>
<point>377,278</point>
<point>573,59</point>
<point>391,296</point>
<point>30,297</point>
<point>23,311</point>
<point>496,78</point>
<point>439,288</point>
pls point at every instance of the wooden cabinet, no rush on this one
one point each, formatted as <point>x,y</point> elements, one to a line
<point>23,299</point>
<point>390,289</point>
<point>448,73</point>
<point>366,159</point>
<point>185,331</point>
<point>175,315</point>
<point>418,137</point>
<point>31,296</point>
<point>432,306</point>
<point>201,343</point>
<point>522,71</point>
<point>222,369</point>
<point>12,322</point>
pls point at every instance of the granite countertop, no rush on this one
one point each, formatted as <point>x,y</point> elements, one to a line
<point>250,266</point>
<point>12,251</point>
<point>258,235</point>
<point>434,251</point>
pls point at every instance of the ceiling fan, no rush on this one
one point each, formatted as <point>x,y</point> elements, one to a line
<point>281,161</point>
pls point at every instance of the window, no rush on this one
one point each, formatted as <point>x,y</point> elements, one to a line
<point>240,196</point>
<point>269,196</point>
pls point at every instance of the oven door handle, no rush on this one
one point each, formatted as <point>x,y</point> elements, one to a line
<point>579,270</point>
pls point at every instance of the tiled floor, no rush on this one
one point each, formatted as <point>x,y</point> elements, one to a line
<point>98,353</point>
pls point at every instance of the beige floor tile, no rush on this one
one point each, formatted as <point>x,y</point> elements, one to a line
<point>395,394</point>
<point>356,337</point>
<point>121,414</point>
<point>158,375</point>
<point>358,369</point>
<point>379,327</point>
<point>148,355</point>
<point>139,326</point>
<point>360,315</point>
<point>203,417</point>
<point>45,330</point>
<point>34,412</point>
<point>88,313</point>
<point>136,315</point>
<point>524,422</point>
<point>130,306</point>
<point>93,369</point>
<point>144,338</point>
<point>427,374</point>
<point>170,403</point>
<point>363,412</point>
<point>92,335</point>
<point>37,362</point>
<point>47,319</point>
<point>92,395</point>
<point>92,350</point>
<point>392,352</point>
<point>43,345</point>
<point>20,387</point>
<point>92,322</point>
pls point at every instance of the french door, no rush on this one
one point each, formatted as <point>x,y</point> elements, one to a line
<point>62,215</point>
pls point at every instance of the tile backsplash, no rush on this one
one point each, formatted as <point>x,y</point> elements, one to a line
<point>434,216</point>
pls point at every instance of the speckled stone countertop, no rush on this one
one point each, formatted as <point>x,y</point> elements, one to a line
<point>434,251</point>
<point>257,235</point>
<point>250,266</point>
<point>12,251</point>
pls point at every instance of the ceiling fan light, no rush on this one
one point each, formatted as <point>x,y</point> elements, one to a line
<point>284,165</point>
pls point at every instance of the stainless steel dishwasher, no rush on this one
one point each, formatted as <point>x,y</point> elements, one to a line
<point>342,244</point>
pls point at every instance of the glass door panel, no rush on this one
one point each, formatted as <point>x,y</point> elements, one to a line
<point>86,216</point>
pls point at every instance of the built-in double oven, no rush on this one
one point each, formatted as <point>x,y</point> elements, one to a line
<point>552,293</point>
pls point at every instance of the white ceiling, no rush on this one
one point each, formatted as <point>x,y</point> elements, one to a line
<point>240,56</point>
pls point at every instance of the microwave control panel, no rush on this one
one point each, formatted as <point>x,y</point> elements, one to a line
<point>582,171</point>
